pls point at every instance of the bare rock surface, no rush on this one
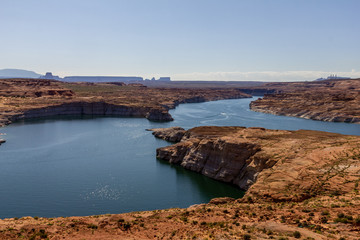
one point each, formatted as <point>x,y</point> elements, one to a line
<point>334,101</point>
<point>173,134</point>
<point>275,164</point>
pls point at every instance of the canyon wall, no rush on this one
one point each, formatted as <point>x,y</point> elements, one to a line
<point>94,108</point>
<point>275,164</point>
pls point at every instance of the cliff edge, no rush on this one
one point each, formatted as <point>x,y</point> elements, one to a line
<point>276,165</point>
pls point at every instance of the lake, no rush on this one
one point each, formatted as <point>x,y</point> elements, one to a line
<point>89,166</point>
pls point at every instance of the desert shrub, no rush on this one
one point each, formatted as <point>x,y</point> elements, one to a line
<point>247,237</point>
<point>297,234</point>
<point>325,213</point>
<point>323,219</point>
<point>92,226</point>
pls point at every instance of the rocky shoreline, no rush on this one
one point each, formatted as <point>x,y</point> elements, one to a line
<point>294,106</point>
<point>331,101</point>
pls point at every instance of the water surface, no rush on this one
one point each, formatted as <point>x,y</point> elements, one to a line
<point>87,166</point>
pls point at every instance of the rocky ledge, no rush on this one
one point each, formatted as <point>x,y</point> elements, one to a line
<point>271,164</point>
<point>173,134</point>
<point>334,101</point>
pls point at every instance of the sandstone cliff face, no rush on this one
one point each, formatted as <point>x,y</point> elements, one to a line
<point>225,159</point>
<point>94,108</point>
<point>271,164</point>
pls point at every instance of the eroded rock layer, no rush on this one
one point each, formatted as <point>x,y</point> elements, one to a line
<point>275,164</point>
<point>335,101</point>
<point>172,134</point>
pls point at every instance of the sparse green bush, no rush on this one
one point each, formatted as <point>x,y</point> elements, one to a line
<point>325,213</point>
<point>247,237</point>
<point>323,219</point>
<point>92,226</point>
<point>297,234</point>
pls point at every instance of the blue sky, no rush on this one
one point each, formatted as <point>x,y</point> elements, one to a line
<point>277,40</point>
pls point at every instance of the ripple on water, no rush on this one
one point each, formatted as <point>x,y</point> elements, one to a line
<point>104,192</point>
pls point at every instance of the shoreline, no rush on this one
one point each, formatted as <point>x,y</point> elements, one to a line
<point>103,109</point>
<point>306,115</point>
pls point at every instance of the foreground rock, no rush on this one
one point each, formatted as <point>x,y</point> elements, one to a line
<point>272,164</point>
<point>30,98</point>
<point>335,101</point>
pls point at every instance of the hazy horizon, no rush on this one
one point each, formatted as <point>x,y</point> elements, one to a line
<point>233,40</point>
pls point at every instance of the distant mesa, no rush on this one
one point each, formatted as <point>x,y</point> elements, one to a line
<point>102,79</point>
<point>18,73</point>
<point>161,79</point>
<point>164,79</point>
<point>49,75</point>
<point>332,77</point>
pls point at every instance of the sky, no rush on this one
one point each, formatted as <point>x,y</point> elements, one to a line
<point>266,40</point>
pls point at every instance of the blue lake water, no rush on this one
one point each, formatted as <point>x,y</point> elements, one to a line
<point>88,166</point>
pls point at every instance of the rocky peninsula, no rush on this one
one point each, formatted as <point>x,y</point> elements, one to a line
<point>329,100</point>
<point>300,185</point>
<point>32,98</point>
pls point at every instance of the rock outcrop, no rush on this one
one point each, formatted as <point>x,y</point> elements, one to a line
<point>275,164</point>
<point>158,114</point>
<point>173,134</point>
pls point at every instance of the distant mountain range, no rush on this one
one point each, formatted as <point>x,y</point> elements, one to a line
<point>18,73</point>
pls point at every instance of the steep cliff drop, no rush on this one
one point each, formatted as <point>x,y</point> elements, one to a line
<point>271,164</point>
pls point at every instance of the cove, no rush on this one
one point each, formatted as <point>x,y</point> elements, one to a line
<point>89,166</point>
